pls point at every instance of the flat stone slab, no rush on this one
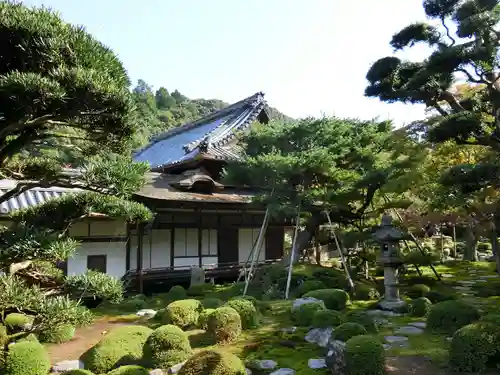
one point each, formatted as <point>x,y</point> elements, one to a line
<point>409,330</point>
<point>316,363</point>
<point>488,276</point>
<point>399,340</point>
<point>461,288</point>
<point>73,364</point>
<point>446,275</point>
<point>418,324</point>
<point>283,371</point>
<point>262,364</point>
<point>288,329</point>
<point>382,313</point>
<point>150,313</point>
<point>466,282</point>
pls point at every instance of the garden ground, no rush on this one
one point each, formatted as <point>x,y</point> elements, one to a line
<point>425,353</point>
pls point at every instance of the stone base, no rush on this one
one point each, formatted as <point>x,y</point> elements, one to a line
<point>392,305</point>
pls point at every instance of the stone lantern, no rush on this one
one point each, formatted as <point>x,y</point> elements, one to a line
<point>389,257</point>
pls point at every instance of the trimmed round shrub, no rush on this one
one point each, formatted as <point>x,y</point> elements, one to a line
<point>183,313</point>
<point>27,358</point>
<point>129,370</point>
<point>177,292</point>
<point>79,371</point>
<point>162,343</point>
<point>199,290</point>
<point>30,337</point>
<point>16,322</point>
<point>122,346</point>
<point>212,303</point>
<point>417,291</point>
<point>203,319</point>
<point>213,362</point>
<point>326,271</point>
<point>224,324</point>
<point>364,355</point>
<point>303,315</point>
<point>309,286</point>
<point>134,303</point>
<point>248,313</point>
<point>366,293</point>
<point>334,299</point>
<point>474,346</point>
<point>364,319</point>
<point>420,306</point>
<point>246,298</point>
<point>326,318</point>
<point>436,297</point>
<point>448,316</point>
<point>348,330</point>
<point>58,334</point>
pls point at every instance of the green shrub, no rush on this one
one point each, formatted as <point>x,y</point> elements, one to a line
<point>327,271</point>
<point>364,319</point>
<point>129,370</point>
<point>203,319</point>
<point>27,358</point>
<point>326,318</point>
<point>78,371</point>
<point>183,313</point>
<point>246,298</point>
<point>132,304</point>
<point>334,299</point>
<point>16,322</point>
<point>224,324</point>
<point>417,291</point>
<point>166,346</point>
<point>493,318</point>
<point>474,346</point>
<point>248,313</point>
<point>436,297</point>
<point>199,290</point>
<point>448,316</point>
<point>364,355</point>
<point>122,346</point>
<point>58,334</point>
<point>303,315</point>
<point>366,293</point>
<point>213,362</point>
<point>308,286</point>
<point>29,337</point>
<point>348,330</point>
<point>212,303</point>
<point>176,293</point>
<point>420,306</point>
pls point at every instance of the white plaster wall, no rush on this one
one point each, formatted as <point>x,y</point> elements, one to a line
<point>186,263</point>
<point>246,239</point>
<point>115,257</point>
<point>155,249</point>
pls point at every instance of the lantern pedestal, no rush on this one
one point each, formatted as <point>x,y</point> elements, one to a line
<point>391,299</point>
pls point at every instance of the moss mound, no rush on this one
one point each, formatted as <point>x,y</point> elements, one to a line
<point>129,370</point>
<point>212,303</point>
<point>348,330</point>
<point>436,297</point>
<point>16,322</point>
<point>248,313</point>
<point>326,318</point>
<point>57,335</point>
<point>418,290</point>
<point>420,306</point>
<point>224,324</point>
<point>203,319</point>
<point>166,346</point>
<point>364,319</point>
<point>177,292</point>
<point>79,371</point>
<point>309,286</point>
<point>246,298</point>
<point>27,358</point>
<point>364,355</point>
<point>334,299</point>
<point>366,293</point>
<point>474,347</point>
<point>448,316</point>
<point>183,313</point>
<point>122,346</point>
<point>491,318</point>
<point>303,315</point>
<point>212,362</point>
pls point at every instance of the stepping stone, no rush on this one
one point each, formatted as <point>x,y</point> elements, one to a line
<point>462,288</point>
<point>488,276</point>
<point>481,281</point>
<point>398,340</point>
<point>316,363</point>
<point>409,330</point>
<point>283,371</point>
<point>319,336</point>
<point>418,324</point>
<point>262,364</point>
<point>382,313</point>
<point>289,329</point>
<point>150,313</point>
<point>466,282</point>
<point>446,275</point>
<point>387,346</point>
<point>68,365</point>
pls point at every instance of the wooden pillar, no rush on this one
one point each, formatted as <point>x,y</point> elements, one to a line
<point>172,245</point>
<point>128,249</point>
<point>200,237</point>
<point>140,238</point>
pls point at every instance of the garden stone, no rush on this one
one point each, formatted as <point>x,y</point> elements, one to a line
<point>397,340</point>
<point>409,330</point>
<point>301,301</point>
<point>387,346</point>
<point>289,329</point>
<point>488,276</point>
<point>446,275</point>
<point>462,288</point>
<point>262,364</point>
<point>175,368</point>
<point>248,371</point>
<point>319,336</point>
<point>72,364</point>
<point>283,371</point>
<point>317,363</point>
<point>197,276</point>
<point>335,357</point>
<point>149,313</point>
<point>418,324</point>
<point>382,313</point>
<point>466,282</point>
<point>157,371</point>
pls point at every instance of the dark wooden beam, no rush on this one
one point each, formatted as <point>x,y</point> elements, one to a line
<point>140,238</point>
<point>128,248</point>
<point>200,237</point>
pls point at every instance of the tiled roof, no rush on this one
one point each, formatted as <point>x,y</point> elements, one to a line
<point>208,136</point>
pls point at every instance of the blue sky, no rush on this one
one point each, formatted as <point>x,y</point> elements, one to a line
<point>308,57</point>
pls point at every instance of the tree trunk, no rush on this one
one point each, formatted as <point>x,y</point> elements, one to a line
<point>470,251</point>
<point>304,237</point>
<point>317,247</point>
